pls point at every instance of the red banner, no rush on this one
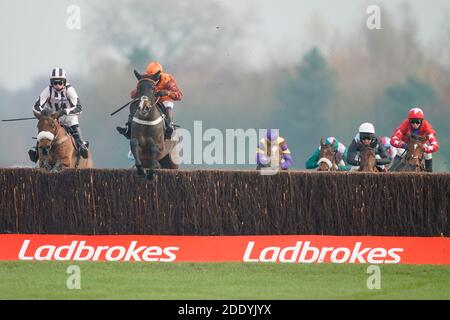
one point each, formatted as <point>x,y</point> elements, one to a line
<point>284,249</point>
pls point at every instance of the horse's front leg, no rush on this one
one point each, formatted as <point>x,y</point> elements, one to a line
<point>154,163</point>
<point>44,163</point>
<point>57,167</point>
<point>136,151</point>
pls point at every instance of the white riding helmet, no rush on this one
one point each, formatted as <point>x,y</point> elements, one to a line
<point>367,128</point>
<point>58,73</point>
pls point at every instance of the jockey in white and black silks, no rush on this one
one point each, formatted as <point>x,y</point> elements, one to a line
<point>61,97</point>
<point>366,136</point>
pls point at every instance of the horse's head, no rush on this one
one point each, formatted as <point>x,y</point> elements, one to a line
<point>145,92</point>
<point>48,125</point>
<point>367,160</point>
<point>416,150</point>
<point>326,157</point>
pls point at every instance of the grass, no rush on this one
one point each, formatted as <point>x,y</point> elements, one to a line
<point>109,280</point>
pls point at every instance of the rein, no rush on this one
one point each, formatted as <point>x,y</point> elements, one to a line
<point>150,122</point>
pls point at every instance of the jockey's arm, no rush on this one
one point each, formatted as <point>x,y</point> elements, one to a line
<point>397,137</point>
<point>352,153</point>
<point>75,107</point>
<point>40,103</point>
<point>173,92</point>
<point>286,160</point>
<point>312,161</point>
<point>433,145</point>
<point>385,158</point>
<point>261,153</point>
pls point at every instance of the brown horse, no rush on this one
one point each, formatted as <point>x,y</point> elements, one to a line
<point>327,161</point>
<point>56,146</point>
<point>150,150</point>
<point>413,160</point>
<point>367,160</point>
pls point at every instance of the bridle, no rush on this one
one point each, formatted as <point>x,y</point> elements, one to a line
<point>52,136</point>
<point>144,100</point>
<point>412,157</point>
<point>330,163</point>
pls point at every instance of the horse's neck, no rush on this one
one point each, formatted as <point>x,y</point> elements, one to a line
<point>61,132</point>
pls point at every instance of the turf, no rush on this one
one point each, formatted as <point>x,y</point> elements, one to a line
<point>101,280</point>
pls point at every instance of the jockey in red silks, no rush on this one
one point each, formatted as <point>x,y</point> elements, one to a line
<point>417,125</point>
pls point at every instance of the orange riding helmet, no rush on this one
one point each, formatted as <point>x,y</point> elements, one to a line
<point>154,68</point>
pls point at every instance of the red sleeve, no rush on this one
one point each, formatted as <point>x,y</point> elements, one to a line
<point>397,137</point>
<point>431,137</point>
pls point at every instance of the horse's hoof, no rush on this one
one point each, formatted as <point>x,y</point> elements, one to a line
<point>140,170</point>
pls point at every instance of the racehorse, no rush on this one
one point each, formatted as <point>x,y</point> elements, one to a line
<point>327,160</point>
<point>56,147</point>
<point>150,150</point>
<point>413,160</point>
<point>367,158</point>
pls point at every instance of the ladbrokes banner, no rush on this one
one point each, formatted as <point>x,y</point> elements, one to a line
<point>285,249</point>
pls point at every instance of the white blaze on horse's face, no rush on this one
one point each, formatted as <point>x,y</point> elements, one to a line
<point>145,104</point>
<point>45,135</point>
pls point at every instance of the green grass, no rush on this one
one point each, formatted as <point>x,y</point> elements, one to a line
<point>101,280</point>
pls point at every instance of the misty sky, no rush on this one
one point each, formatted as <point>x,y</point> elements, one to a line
<point>35,38</point>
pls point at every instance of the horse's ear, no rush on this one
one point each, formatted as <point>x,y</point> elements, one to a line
<point>137,75</point>
<point>321,142</point>
<point>359,145</point>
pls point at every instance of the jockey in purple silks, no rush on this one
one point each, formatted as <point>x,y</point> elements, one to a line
<point>273,151</point>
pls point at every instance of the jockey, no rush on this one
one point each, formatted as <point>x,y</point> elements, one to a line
<point>416,124</point>
<point>270,144</point>
<point>166,90</point>
<point>62,98</point>
<point>340,155</point>
<point>366,136</point>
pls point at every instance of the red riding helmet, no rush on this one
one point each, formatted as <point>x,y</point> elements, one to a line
<point>415,113</point>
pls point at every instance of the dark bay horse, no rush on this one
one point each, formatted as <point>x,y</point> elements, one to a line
<point>150,150</point>
<point>56,146</point>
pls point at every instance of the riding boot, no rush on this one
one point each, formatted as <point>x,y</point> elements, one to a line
<point>429,165</point>
<point>126,131</point>
<point>81,145</point>
<point>170,126</point>
<point>33,154</point>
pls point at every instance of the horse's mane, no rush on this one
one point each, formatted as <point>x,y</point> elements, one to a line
<point>46,112</point>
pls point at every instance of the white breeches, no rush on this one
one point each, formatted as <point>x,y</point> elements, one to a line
<point>69,120</point>
<point>168,104</point>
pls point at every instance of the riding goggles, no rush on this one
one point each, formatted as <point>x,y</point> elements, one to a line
<point>416,121</point>
<point>366,136</point>
<point>58,82</point>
